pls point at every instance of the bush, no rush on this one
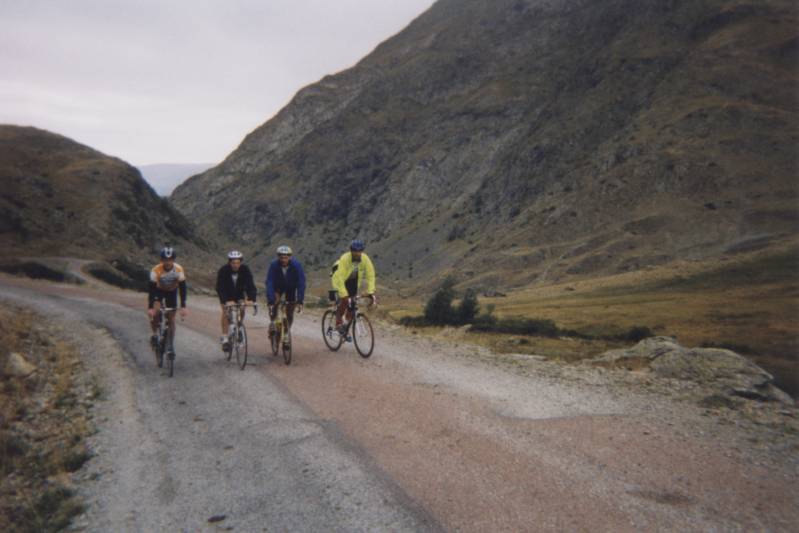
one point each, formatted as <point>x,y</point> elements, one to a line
<point>468,308</point>
<point>638,333</point>
<point>438,309</point>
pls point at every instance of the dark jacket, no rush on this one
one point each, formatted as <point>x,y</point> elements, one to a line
<point>292,285</point>
<point>244,284</point>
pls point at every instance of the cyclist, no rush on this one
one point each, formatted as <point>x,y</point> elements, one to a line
<point>234,283</point>
<point>347,275</point>
<point>166,279</point>
<point>284,278</point>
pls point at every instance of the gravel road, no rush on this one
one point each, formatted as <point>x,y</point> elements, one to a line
<point>422,436</point>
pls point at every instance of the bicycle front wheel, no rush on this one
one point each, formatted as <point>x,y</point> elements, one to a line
<point>241,346</point>
<point>332,339</point>
<point>159,351</point>
<point>170,357</point>
<point>363,335</point>
<point>286,344</point>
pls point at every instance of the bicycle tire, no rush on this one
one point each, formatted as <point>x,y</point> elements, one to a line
<point>170,357</point>
<point>275,340</point>
<point>159,352</point>
<point>286,344</point>
<point>363,335</point>
<point>241,347</point>
<point>229,351</point>
<point>331,337</point>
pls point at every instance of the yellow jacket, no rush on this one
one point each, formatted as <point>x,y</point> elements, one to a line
<point>344,267</point>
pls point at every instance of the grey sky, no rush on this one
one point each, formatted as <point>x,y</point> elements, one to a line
<point>167,81</point>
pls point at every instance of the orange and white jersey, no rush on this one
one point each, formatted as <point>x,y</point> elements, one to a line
<point>167,280</point>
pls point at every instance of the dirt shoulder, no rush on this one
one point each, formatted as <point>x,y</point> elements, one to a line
<point>45,419</point>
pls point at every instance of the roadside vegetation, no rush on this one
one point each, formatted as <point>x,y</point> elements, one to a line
<point>440,311</point>
<point>747,304</point>
<point>44,422</point>
<point>39,270</point>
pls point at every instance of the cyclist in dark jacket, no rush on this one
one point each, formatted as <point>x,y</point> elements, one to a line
<point>284,278</point>
<point>234,283</point>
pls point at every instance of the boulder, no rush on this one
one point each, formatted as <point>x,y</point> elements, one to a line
<point>17,366</point>
<point>714,368</point>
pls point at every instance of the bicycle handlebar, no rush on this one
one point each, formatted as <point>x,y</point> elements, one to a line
<point>239,305</point>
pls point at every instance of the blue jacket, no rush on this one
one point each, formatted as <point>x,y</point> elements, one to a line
<point>293,283</point>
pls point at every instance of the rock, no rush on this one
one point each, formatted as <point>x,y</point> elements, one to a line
<point>715,368</point>
<point>18,366</point>
<point>217,518</point>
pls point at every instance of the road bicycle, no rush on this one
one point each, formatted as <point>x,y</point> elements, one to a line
<point>164,343</point>
<point>237,332</point>
<point>280,337</point>
<point>358,328</point>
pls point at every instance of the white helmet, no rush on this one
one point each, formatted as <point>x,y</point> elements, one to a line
<point>235,254</point>
<point>283,250</point>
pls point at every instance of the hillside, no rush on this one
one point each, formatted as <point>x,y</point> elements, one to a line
<point>61,198</point>
<point>558,140</point>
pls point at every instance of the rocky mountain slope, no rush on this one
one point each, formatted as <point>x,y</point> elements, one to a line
<point>61,198</point>
<point>549,139</point>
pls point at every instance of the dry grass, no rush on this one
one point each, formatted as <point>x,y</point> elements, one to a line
<point>750,305</point>
<point>43,425</point>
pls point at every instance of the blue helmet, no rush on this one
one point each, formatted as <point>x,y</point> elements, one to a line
<point>357,245</point>
<point>168,253</point>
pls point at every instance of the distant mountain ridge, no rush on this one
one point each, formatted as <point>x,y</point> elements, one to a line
<point>164,177</point>
<point>549,140</point>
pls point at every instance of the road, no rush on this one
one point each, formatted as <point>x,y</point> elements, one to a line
<point>421,437</point>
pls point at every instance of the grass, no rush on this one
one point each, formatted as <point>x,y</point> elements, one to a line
<point>750,306</point>
<point>42,427</point>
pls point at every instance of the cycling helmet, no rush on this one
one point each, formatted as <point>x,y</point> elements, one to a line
<point>357,245</point>
<point>168,253</point>
<point>283,250</point>
<point>235,254</point>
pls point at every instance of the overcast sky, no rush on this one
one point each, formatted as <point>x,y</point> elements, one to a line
<point>168,81</point>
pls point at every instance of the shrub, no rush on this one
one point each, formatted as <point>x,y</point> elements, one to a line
<point>438,309</point>
<point>468,308</point>
<point>638,333</point>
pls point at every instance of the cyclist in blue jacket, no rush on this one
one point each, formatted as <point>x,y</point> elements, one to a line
<point>284,278</point>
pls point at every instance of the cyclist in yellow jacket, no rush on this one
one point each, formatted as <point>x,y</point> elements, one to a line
<point>348,273</point>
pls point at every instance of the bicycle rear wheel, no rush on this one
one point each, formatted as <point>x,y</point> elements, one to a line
<point>332,339</point>
<point>286,344</point>
<point>274,339</point>
<point>241,346</point>
<point>159,351</point>
<point>229,351</point>
<point>363,335</point>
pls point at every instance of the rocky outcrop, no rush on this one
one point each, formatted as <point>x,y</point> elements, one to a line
<point>715,369</point>
<point>568,139</point>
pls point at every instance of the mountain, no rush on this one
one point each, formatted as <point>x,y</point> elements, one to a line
<point>164,177</point>
<point>61,198</point>
<point>525,141</point>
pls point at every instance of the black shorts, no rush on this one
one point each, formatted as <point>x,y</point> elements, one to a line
<point>352,287</point>
<point>167,298</point>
